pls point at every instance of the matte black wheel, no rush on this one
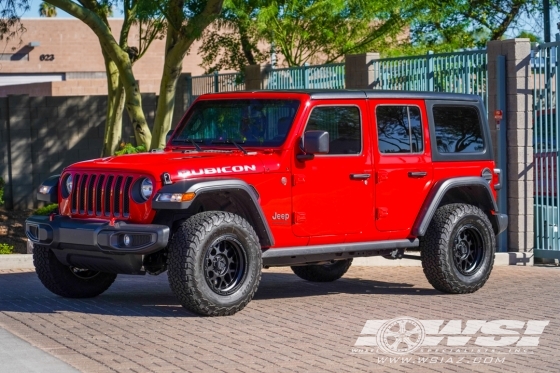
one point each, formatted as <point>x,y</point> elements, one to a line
<point>215,262</point>
<point>68,282</point>
<point>323,272</point>
<point>458,249</point>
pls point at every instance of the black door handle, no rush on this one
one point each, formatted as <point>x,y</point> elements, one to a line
<point>417,173</point>
<point>360,176</point>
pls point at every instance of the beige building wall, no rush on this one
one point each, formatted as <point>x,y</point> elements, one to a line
<point>76,55</point>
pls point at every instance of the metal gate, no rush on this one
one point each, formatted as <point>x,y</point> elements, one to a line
<point>546,78</point>
<point>212,83</point>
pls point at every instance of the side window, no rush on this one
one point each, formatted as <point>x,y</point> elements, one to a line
<point>343,125</point>
<point>399,129</point>
<point>458,129</point>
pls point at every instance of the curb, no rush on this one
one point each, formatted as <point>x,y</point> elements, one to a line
<point>16,261</point>
<point>25,261</point>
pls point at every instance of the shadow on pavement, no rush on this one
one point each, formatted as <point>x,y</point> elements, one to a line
<point>150,296</point>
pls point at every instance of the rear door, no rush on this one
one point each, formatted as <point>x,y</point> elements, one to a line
<point>402,154</point>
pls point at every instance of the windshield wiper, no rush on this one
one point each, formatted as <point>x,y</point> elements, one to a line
<point>192,141</point>
<point>230,141</point>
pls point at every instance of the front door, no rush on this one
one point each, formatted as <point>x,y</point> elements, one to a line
<point>402,153</point>
<point>333,193</point>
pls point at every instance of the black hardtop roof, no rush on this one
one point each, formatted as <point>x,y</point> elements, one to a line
<point>329,94</point>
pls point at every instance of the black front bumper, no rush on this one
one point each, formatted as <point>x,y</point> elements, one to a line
<point>96,244</point>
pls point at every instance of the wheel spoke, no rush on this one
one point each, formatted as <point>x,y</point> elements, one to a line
<point>225,265</point>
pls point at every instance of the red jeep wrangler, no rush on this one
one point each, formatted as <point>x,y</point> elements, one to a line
<point>307,179</point>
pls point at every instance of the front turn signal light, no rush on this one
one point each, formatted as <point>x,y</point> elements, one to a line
<point>176,197</point>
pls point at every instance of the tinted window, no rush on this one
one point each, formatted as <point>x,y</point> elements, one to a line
<point>252,122</point>
<point>399,129</point>
<point>343,125</point>
<point>458,129</point>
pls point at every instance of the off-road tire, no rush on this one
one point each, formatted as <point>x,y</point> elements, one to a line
<point>458,249</point>
<point>323,273</point>
<point>197,253</point>
<point>68,282</point>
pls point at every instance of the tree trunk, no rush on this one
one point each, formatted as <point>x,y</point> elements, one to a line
<point>133,105</point>
<point>174,54</point>
<point>178,41</point>
<point>115,135</point>
<point>112,86</point>
<point>122,61</point>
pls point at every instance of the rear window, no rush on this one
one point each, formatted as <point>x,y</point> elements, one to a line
<point>458,129</point>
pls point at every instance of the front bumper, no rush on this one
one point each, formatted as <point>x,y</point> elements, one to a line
<point>96,244</point>
<point>62,232</point>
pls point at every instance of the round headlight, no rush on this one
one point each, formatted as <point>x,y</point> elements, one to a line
<point>69,184</point>
<point>146,188</point>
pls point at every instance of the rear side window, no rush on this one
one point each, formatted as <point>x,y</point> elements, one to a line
<point>399,129</point>
<point>343,125</point>
<point>458,129</point>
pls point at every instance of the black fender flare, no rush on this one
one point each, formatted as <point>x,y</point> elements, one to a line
<point>244,193</point>
<point>482,194</point>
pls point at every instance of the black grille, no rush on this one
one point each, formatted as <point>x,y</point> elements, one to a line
<point>101,195</point>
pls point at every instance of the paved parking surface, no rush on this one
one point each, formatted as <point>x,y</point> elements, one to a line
<point>293,325</point>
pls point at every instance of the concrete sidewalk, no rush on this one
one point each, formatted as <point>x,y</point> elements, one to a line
<point>17,355</point>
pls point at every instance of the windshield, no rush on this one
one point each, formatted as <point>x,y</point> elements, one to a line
<point>251,122</point>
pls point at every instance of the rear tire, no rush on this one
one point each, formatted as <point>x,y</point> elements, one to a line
<point>214,263</point>
<point>323,273</point>
<point>68,282</point>
<point>458,249</point>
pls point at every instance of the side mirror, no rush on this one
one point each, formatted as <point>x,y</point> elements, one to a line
<point>168,136</point>
<point>314,142</point>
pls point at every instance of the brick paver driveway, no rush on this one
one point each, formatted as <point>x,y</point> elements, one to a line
<point>293,325</point>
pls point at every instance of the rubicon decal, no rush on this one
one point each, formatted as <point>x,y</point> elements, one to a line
<point>217,170</point>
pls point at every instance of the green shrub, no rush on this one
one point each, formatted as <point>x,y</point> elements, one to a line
<point>47,210</point>
<point>6,249</point>
<point>128,148</point>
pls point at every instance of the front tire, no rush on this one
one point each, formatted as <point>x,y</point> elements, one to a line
<point>324,272</point>
<point>458,249</point>
<point>68,282</point>
<point>214,265</point>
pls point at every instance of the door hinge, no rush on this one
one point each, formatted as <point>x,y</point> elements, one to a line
<point>299,217</point>
<point>381,176</point>
<point>298,179</point>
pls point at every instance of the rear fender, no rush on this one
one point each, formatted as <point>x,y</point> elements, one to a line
<point>471,190</point>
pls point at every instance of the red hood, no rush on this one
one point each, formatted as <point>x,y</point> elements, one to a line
<point>183,165</point>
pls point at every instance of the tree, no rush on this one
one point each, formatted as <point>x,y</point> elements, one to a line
<point>47,10</point>
<point>10,15</point>
<point>316,31</point>
<point>448,25</point>
<point>184,23</point>
<point>232,41</point>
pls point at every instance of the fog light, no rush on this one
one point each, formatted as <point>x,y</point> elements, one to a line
<point>127,240</point>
